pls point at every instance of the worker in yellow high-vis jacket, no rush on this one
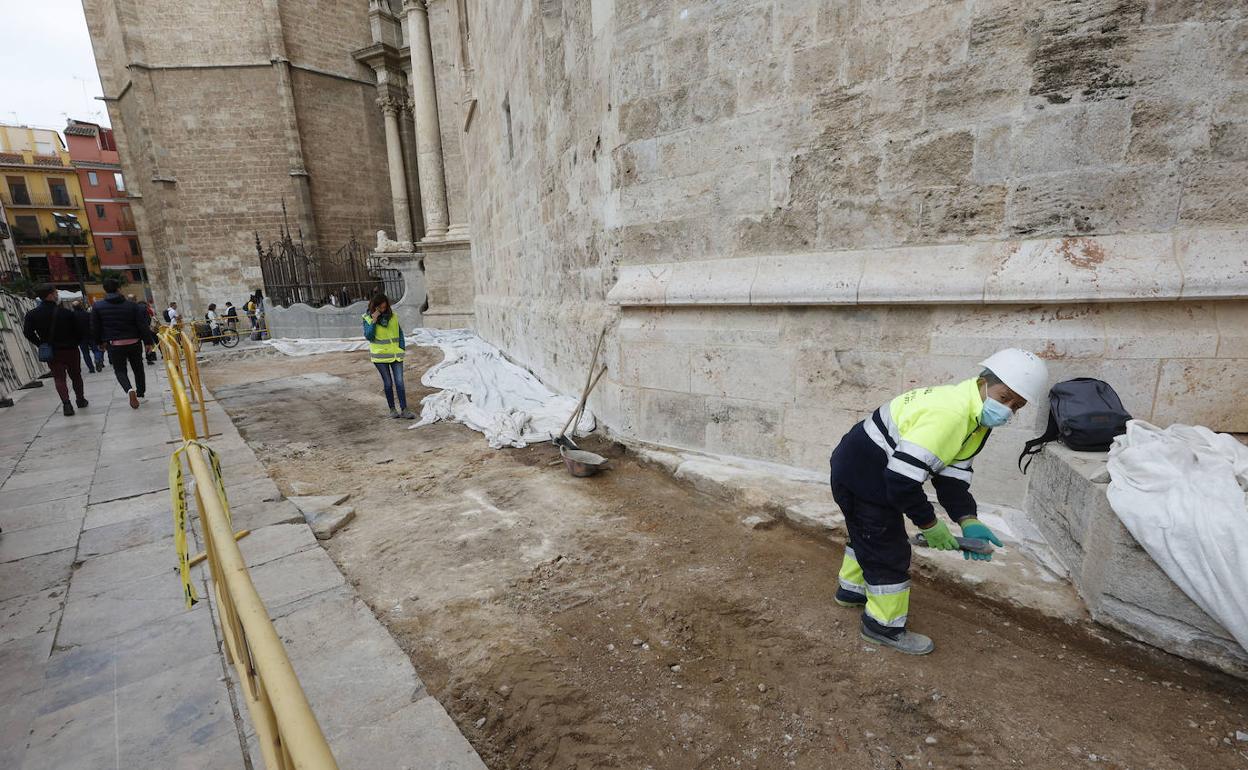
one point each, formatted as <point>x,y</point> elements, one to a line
<point>386,346</point>
<point>878,472</point>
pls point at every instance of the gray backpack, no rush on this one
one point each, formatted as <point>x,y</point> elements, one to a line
<point>1084,414</point>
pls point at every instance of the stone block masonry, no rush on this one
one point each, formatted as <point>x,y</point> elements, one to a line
<point>787,212</point>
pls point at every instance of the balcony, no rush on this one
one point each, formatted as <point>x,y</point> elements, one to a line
<point>47,239</point>
<point>36,201</point>
<point>28,158</point>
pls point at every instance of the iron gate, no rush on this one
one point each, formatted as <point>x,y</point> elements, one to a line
<point>294,273</point>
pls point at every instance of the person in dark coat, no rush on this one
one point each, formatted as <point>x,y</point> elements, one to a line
<point>49,323</point>
<point>124,328</point>
<point>82,320</point>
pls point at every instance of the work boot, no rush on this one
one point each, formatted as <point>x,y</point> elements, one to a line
<point>407,415</point>
<point>847,598</point>
<point>395,413</point>
<point>134,398</point>
<point>81,402</point>
<point>908,642</point>
<point>67,409</point>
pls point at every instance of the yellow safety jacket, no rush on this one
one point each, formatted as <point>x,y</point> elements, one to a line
<point>385,339</point>
<point>926,433</point>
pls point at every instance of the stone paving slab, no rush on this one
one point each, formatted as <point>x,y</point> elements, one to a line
<point>35,573</point>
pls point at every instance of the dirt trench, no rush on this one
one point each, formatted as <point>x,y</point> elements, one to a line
<point>629,621</point>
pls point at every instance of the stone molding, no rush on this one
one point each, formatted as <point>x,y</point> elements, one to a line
<point>1190,264</point>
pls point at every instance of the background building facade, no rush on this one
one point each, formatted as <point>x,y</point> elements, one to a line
<point>233,118</point>
<point>114,235</point>
<point>40,181</point>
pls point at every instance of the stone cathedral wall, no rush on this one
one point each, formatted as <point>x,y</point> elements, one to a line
<point>787,211</point>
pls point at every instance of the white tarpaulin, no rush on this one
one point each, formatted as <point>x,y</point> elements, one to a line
<point>479,388</point>
<point>1183,494</point>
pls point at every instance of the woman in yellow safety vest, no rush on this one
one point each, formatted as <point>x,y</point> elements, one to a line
<point>386,345</point>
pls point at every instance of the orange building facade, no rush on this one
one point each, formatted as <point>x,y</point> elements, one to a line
<point>93,152</point>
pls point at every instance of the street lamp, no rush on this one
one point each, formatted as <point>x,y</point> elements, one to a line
<point>70,224</point>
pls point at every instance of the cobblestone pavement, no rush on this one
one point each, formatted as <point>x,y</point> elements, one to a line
<point>101,663</point>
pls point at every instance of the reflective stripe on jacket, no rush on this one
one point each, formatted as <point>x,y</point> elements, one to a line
<point>924,433</point>
<point>385,339</point>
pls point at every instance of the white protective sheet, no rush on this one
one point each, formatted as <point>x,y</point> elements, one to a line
<point>479,388</point>
<point>1182,494</point>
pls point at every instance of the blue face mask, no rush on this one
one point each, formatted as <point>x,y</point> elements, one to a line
<point>994,414</point>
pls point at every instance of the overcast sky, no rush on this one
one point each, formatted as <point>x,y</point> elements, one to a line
<point>47,65</point>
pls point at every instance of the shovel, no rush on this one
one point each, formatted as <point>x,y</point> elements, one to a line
<point>562,439</point>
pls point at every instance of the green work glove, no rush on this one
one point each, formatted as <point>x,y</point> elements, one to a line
<point>939,537</point>
<point>972,527</point>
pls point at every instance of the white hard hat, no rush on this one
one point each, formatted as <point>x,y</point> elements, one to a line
<point>1021,370</point>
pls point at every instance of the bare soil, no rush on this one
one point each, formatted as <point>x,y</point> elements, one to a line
<point>628,621</point>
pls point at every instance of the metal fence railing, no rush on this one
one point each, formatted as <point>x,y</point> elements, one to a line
<point>286,729</point>
<point>296,273</point>
<point>19,366</point>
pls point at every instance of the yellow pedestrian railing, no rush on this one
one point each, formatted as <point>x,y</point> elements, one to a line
<point>286,729</point>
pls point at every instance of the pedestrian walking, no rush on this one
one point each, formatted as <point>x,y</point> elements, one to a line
<point>54,331</point>
<point>171,314</point>
<point>82,322</point>
<point>231,316</point>
<point>123,328</point>
<point>258,300</point>
<point>96,351</point>
<point>877,475</point>
<point>386,346</point>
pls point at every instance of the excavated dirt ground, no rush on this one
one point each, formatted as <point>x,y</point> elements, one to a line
<point>629,621</point>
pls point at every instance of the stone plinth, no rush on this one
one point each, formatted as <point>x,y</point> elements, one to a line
<point>449,277</point>
<point>1123,587</point>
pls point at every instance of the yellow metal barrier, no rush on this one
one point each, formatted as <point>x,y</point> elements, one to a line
<point>286,729</point>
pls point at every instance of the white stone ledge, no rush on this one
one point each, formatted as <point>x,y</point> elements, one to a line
<point>1190,264</point>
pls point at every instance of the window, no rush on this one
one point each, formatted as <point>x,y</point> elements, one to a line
<point>93,179</point>
<point>134,246</point>
<point>99,211</point>
<point>43,148</point>
<point>26,229</point>
<point>37,267</point>
<point>60,193</point>
<point>108,244</point>
<point>120,181</point>
<point>18,191</point>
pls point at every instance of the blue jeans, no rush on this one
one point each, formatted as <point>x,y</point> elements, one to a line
<point>392,380</point>
<point>88,356</point>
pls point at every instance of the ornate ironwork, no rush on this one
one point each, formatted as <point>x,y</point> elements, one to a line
<point>294,273</point>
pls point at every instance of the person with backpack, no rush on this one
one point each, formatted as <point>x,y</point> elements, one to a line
<point>53,330</point>
<point>124,328</point>
<point>171,314</point>
<point>877,475</point>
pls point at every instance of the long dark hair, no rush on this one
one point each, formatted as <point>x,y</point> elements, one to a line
<point>377,300</point>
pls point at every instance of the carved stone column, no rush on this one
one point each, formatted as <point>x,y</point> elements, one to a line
<point>429,163</point>
<point>390,108</point>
